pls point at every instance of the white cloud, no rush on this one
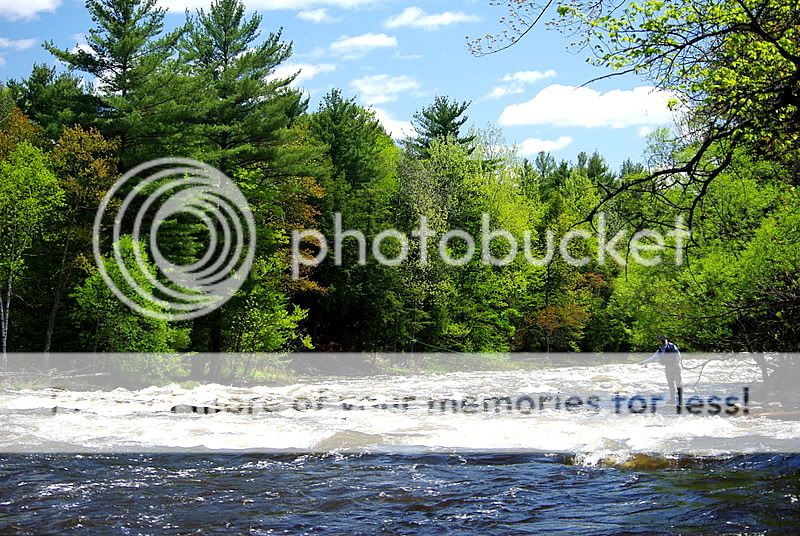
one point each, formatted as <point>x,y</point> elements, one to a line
<point>400,56</point>
<point>515,82</point>
<point>16,44</point>
<point>529,77</point>
<point>535,145</point>
<point>178,6</point>
<point>317,16</point>
<point>381,88</point>
<point>82,46</point>
<point>357,46</point>
<point>498,92</point>
<point>307,71</point>
<point>396,128</point>
<point>26,9</point>
<point>645,131</point>
<point>414,17</point>
<point>568,106</point>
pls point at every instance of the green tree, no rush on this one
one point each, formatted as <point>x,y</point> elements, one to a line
<point>598,172</point>
<point>108,325</point>
<point>52,100</point>
<point>739,291</point>
<point>242,112</point>
<point>630,168</point>
<point>86,165</point>
<point>441,120</point>
<point>353,136</point>
<point>29,196</point>
<point>246,122</point>
<point>734,64</point>
<point>268,322</point>
<point>361,189</point>
<point>530,180</point>
<point>132,60</point>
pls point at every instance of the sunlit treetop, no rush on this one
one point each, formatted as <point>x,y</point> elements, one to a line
<point>733,66</point>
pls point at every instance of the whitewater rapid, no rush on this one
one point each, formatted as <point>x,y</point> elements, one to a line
<point>402,413</point>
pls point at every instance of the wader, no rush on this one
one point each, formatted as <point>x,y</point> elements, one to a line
<point>672,368</point>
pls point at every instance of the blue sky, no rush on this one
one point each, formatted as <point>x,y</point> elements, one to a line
<point>396,55</point>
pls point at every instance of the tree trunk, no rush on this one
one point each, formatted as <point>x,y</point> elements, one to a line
<point>5,308</point>
<point>48,340</point>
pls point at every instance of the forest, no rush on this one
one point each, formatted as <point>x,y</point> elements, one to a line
<point>207,91</point>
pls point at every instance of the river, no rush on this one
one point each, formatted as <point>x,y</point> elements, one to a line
<point>546,451</point>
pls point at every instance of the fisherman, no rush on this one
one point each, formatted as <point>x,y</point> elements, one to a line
<point>670,356</point>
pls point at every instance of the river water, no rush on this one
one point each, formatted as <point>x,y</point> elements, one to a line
<point>546,451</point>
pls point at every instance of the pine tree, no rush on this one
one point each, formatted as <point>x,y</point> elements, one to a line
<point>529,180</point>
<point>442,119</point>
<point>242,110</point>
<point>630,168</point>
<point>245,123</point>
<point>353,137</point>
<point>53,101</point>
<point>545,164</point>
<point>597,170</point>
<point>130,56</point>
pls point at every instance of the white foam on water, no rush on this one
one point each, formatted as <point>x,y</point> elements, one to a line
<point>123,420</point>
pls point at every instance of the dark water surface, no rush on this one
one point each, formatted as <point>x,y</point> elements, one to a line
<point>394,494</point>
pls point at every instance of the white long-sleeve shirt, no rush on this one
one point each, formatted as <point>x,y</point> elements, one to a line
<point>667,348</point>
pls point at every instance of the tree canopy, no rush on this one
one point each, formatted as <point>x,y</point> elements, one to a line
<point>211,90</point>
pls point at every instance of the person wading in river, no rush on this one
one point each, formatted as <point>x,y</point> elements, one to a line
<point>670,356</point>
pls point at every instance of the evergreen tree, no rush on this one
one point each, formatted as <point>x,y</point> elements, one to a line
<point>529,180</point>
<point>242,111</point>
<point>361,189</point>
<point>353,136</point>
<point>583,160</point>
<point>630,168</point>
<point>52,100</point>
<point>129,55</point>
<point>441,120</point>
<point>597,170</point>
<point>545,164</point>
<point>556,177</point>
<point>245,122</point>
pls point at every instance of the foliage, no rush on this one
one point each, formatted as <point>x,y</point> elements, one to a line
<point>353,136</point>
<point>210,90</point>
<point>241,111</point>
<point>733,67</point>
<point>108,325</point>
<point>86,165</point>
<point>442,119</point>
<point>29,196</point>
<point>130,58</point>
<point>53,100</point>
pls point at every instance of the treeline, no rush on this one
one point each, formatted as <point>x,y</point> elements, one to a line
<point>208,91</point>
